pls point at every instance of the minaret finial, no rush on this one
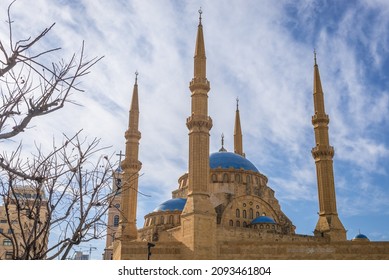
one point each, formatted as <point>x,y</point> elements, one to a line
<point>200,12</point>
<point>237,104</point>
<point>314,55</point>
<point>136,77</point>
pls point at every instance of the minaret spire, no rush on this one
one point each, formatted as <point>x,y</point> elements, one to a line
<point>131,166</point>
<point>198,208</point>
<point>238,137</point>
<point>329,224</point>
<point>199,55</point>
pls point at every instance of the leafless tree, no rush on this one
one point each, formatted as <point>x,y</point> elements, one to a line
<point>64,192</point>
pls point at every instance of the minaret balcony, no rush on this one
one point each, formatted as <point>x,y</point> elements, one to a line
<point>320,118</point>
<point>321,152</point>
<point>199,83</point>
<point>199,123</point>
<point>130,133</point>
<point>132,165</point>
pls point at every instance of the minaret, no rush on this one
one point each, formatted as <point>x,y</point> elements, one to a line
<point>238,142</point>
<point>131,166</point>
<point>198,216</point>
<point>329,224</point>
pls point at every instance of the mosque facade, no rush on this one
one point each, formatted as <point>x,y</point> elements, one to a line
<point>223,207</point>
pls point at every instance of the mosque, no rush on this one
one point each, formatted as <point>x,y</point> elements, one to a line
<point>223,207</point>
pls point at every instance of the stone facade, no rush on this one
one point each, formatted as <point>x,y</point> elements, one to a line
<point>223,207</point>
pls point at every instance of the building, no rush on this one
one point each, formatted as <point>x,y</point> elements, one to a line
<point>223,207</point>
<point>113,214</point>
<point>23,231</point>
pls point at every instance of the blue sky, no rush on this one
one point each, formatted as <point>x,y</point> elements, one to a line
<point>259,51</point>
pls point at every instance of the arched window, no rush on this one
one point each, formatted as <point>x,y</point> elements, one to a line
<point>237,178</point>
<point>244,214</point>
<point>248,179</point>
<point>225,178</point>
<point>244,224</point>
<point>153,221</point>
<point>257,214</point>
<point>214,178</point>
<point>231,223</point>
<point>171,220</point>
<point>116,220</point>
<point>251,213</point>
<point>237,223</point>
<point>237,213</point>
<point>162,220</point>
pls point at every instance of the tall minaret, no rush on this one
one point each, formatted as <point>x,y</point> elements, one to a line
<point>238,142</point>
<point>329,224</point>
<point>131,166</point>
<point>198,216</point>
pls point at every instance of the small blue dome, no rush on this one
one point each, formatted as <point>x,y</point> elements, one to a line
<point>360,237</point>
<point>227,160</point>
<point>263,220</point>
<point>171,205</point>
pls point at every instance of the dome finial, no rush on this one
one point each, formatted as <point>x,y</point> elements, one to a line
<point>222,148</point>
<point>200,12</point>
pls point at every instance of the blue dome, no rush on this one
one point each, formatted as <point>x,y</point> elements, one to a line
<point>361,237</point>
<point>171,205</point>
<point>263,220</point>
<point>227,160</point>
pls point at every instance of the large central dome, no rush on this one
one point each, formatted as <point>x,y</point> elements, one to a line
<point>228,160</point>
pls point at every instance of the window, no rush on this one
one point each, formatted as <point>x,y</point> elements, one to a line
<point>237,223</point>
<point>214,178</point>
<point>244,214</point>
<point>162,220</point>
<point>10,231</point>
<point>171,220</point>
<point>251,213</point>
<point>248,179</point>
<point>117,206</point>
<point>8,255</point>
<point>244,224</point>
<point>225,178</point>
<point>237,213</point>
<point>7,242</point>
<point>257,214</point>
<point>231,223</point>
<point>237,178</point>
<point>116,221</point>
<point>3,221</point>
<point>1,230</point>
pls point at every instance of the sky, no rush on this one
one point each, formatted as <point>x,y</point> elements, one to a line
<point>258,51</point>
